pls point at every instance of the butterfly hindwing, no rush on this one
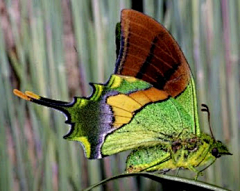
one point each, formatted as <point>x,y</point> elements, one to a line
<point>124,114</point>
<point>148,159</point>
<point>110,107</point>
<point>152,125</point>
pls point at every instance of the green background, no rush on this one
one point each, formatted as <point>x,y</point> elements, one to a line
<point>54,48</point>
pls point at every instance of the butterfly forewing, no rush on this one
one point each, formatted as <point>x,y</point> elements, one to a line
<point>150,53</point>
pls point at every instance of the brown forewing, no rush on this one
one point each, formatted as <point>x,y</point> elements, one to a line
<point>150,53</point>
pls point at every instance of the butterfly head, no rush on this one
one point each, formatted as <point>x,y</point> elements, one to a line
<point>218,149</point>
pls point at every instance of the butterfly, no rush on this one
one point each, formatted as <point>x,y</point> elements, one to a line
<point>148,105</point>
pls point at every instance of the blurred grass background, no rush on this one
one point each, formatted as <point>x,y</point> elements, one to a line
<point>54,48</point>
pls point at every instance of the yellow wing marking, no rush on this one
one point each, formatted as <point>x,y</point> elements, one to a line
<point>98,91</point>
<point>21,95</point>
<point>116,80</point>
<point>121,120</point>
<point>85,142</point>
<point>144,97</point>
<point>121,116</point>
<point>32,95</point>
<point>140,97</point>
<point>129,78</point>
<point>124,106</point>
<point>155,95</point>
<point>121,112</point>
<point>124,102</point>
<point>27,96</point>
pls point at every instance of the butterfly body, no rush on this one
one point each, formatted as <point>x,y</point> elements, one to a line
<point>189,152</point>
<point>148,105</point>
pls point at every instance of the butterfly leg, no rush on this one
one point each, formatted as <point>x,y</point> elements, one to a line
<point>177,171</point>
<point>185,130</point>
<point>164,171</point>
<point>190,167</point>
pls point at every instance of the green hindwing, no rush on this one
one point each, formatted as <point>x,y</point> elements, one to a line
<point>152,125</point>
<point>149,159</point>
<point>156,123</point>
<point>93,118</point>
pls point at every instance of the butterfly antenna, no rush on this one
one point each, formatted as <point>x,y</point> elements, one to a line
<point>206,109</point>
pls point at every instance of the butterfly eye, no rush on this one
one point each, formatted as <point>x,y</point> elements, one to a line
<point>215,153</point>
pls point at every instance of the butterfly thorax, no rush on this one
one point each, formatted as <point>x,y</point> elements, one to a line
<point>191,152</point>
